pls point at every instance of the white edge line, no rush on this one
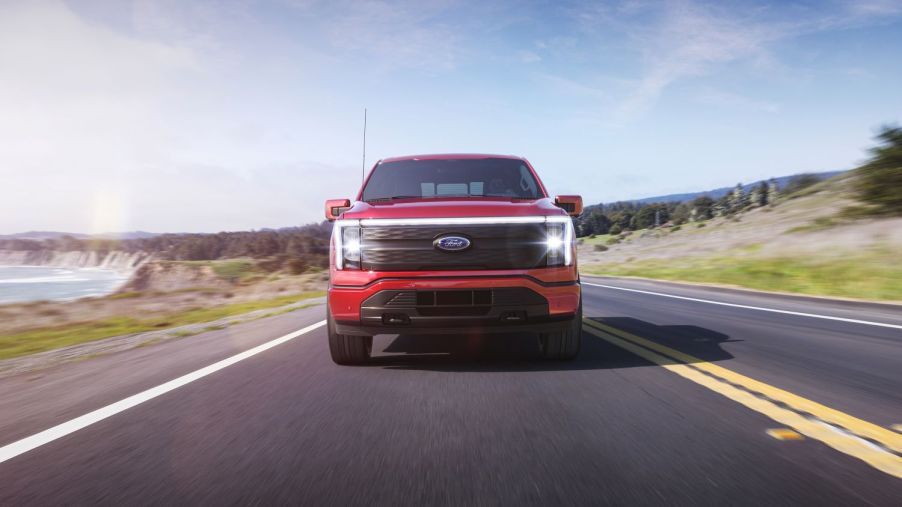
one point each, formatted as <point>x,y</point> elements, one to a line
<point>14,449</point>
<point>774,310</point>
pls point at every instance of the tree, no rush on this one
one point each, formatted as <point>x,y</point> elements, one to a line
<point>759,195</point>
<point>723,206</point>
<point>879,181</point>
<point>645,218</point>
<point>739,200</point>
<point>599,222</point>
<point>681,214</point>
<point>702,207</point>
<point>622,220</point>
<point>772,191</point>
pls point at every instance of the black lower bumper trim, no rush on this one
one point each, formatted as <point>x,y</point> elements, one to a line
<point>391,311</point>
<point>457,326</point>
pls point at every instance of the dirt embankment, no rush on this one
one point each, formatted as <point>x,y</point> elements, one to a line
<point>171,276</point>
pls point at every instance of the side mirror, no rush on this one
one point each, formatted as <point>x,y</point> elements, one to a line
<point>335,207</point>
<point>572,204</point>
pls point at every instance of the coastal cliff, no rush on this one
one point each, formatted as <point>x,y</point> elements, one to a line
<point>123,262</point>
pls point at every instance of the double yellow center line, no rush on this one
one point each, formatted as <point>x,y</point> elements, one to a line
<point>877,446</point>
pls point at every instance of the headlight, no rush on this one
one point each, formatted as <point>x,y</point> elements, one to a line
<point>346,239</point>
<point>559,241</point>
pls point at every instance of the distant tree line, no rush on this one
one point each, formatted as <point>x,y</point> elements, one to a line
<point>618,217</point>
<point>309,243</point>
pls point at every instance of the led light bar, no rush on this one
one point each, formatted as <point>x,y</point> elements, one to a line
<point>453,221</point>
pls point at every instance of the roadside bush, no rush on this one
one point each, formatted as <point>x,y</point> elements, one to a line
<point>612,241</point>
<point>296,266</point>
<point>699,225</point>
<point>675,228</point>
<point>800,182</point>
<point>615,230</point>
<point>879,181</point>
<point>273,263</point>
<point>601,248</point>
<point>233,271</point>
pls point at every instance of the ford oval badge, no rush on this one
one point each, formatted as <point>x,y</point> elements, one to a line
<point>451,243</point>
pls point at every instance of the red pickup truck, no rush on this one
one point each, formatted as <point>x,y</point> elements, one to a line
<point>453,244</point>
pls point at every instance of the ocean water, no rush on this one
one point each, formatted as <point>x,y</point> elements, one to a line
<point>32,283</point>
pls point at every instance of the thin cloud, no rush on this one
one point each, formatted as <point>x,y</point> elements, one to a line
<point>875,7</point>
<point>570,87</point>
<point>528,57</point>
<point>721,98</point>
<point>689,41</point>
<point>684,39</point>
<point>407,34</point>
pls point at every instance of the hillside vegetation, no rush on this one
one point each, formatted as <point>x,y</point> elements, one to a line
<point>295,249</point>
<point>840,237</point>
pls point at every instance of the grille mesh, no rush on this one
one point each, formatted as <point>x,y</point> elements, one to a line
<point>410,248</point>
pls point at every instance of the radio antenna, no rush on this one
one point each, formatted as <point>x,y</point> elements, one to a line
<point>363,163</point>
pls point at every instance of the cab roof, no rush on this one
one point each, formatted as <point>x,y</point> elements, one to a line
<point>449,156</point>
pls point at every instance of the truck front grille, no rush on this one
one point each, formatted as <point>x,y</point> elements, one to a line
<point>410,248</point>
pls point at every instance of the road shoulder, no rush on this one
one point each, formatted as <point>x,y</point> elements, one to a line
<point>890,313</point>
<point>33,401</point>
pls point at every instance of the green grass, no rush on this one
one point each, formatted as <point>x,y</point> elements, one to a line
<point>126,295</point>
<point>875,275</point>
<point>235,270</point>
<point>600,239</point>
<point>818,224</point>
<point>47,338</point>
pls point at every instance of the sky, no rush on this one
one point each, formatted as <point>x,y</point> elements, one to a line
<point>203,116</point>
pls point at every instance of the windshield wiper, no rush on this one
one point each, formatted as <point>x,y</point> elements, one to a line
<point>394,197</point>
<point>508,196</point>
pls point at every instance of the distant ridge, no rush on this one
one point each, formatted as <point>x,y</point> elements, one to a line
<point>720,192</point>
<point>42,235</point>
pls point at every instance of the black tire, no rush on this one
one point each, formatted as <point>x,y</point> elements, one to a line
<point>563,344</point>
<point>348,349</point>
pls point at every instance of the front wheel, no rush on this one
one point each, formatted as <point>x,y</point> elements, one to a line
<point>563,344</point>
<point>348,349</point>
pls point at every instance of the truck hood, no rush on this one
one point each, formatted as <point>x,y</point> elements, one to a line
<point>453,208</point>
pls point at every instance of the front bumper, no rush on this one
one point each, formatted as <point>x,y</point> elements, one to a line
<point>440,305</point>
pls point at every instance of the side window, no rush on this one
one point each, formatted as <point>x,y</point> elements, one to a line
<point>476,188</point>
<point>427,189</point>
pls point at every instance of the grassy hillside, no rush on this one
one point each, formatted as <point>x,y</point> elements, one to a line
<point>803,243</point>
<point>162,295</point>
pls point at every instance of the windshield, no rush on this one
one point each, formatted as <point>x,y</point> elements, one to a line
<point>487,177</point>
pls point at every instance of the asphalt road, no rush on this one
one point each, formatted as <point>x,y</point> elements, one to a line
<point>670,401</point>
